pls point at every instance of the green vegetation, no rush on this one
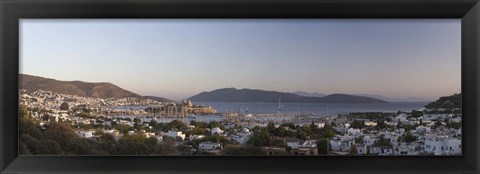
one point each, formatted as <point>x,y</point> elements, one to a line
<point>64,106</point>
<point>382,142</point>
<point>371,115</point>
<point>449,102</point>
<point>322,145</point>
<point>61,139</point>
<point>353,150</point>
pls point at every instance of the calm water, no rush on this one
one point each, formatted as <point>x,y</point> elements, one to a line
<point>314,108</point>
<point>318,109</point>
<point>200,118</point>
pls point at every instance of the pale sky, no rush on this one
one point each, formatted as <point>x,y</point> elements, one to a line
<point>178,58</point>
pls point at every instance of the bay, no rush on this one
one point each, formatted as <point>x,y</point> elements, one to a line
<point>320,109</point>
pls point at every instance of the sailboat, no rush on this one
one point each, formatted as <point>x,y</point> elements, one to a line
<point>280,106</point>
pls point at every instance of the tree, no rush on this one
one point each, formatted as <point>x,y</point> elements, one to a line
<point>60,132</point>
<point>136,144</point>
<point>270,126</point>
<point>382,142</point>
<point>80,146</point>
<point>50,147</point>
<point>64,106</point>
<point>381,124</point>
<point>357,124</point>
<point>137,123</point>
<point>416,113</point>
<point>23,149</point>
<point>260,138</point>
<point>237,151</point>
<point>353,150</point>
<point>152,123</point>
<point>122,128</point>
<point>409,137</point>
<point>322,145</point>
<point>359,140</point>
<point>329,133</point>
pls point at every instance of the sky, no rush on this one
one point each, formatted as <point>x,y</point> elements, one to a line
<point>178,58</point>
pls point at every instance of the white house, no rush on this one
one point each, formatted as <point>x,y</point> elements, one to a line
<point>443,146</point>
<point>159,138</point>
<point>293,144</point>
<point>422,128</point>
<point>85,134</point>
<point>149,134</point>
<point>208,145</point>
<point>370,123</point>
<point>381,150</point>
<point>342,145</point>
<point>196,137</point>
<point>341,130</point>
<point>242,137</point>
<point>175,134</point>
<point>320,125</point>
<point>216,130</point>
<point>353,131</point>
<point>308,144</point>
<point>367,140</point>
<point>401,118</point>
<point>361,148</point>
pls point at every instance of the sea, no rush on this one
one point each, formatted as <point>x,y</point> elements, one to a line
<point>316,109</point>
<point>313,108</point>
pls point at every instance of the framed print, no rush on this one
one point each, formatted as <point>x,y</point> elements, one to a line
<point>239,87</point>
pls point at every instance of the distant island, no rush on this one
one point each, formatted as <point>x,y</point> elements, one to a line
<point>407,99</point>
<point>255,95</point>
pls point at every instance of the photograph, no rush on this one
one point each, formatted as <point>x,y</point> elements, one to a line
<point>240,87</point>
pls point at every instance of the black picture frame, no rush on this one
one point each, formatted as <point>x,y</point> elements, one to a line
<point>13,10</point>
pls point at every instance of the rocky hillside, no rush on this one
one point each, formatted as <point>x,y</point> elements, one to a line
<point>86,89</point>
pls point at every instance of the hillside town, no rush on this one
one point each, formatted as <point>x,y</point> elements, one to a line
<point>135,126</point>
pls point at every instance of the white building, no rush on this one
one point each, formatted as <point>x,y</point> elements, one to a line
<point>381,150</point>
<point>320,125</point>
<point>216,130</point>
<point>308,144</point>
<point>367,140</point>
<point>361,148</point>
<point>175,134</point>
<point>401,118</point>
<point>443,146</point>
<point>149,134</point>
<point>422,128</point>
<point>196,137</point>
<point>208,145</point>
<point>342,145</point>
<point>85,134</point>
<point>370,123</point>
<point>353,131</point>
<point>242,137</point>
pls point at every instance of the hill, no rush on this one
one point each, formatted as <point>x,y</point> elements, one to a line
<point>255,95</point>
<point>453,101</point>
<point>309,94</point>
<point>86,89</point>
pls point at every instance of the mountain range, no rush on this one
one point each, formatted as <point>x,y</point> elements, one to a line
<point>408,99</point>
<point>109,90</point>
<point>86,89</point>
<point>255,95</point>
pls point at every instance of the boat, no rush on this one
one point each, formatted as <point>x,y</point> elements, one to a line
<point>192,116</point>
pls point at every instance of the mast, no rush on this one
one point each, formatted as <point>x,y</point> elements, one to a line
<point>279,105</point>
